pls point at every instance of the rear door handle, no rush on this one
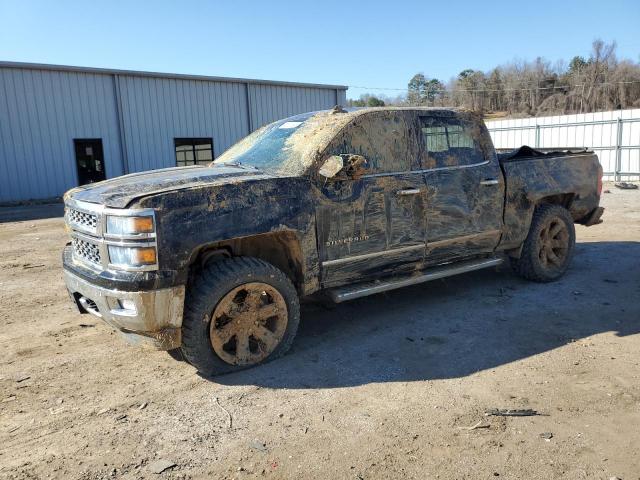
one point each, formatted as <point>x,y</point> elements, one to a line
<point>409,191</point>
<point>489,181</point>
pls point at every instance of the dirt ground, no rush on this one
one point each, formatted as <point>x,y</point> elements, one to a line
<point>383,387</point>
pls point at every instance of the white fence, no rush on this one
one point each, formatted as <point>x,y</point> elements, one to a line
<point>614,136</point>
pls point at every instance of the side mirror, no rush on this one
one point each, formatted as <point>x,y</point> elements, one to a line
<point>343,167</point>
<point>331,166</point>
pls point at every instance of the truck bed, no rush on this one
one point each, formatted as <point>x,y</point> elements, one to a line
<point>565,176</point>
<point>525,152</point>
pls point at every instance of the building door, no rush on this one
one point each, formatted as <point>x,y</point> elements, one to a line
<point>89,160</point>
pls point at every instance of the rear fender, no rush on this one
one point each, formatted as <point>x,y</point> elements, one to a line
<point>569,181</point>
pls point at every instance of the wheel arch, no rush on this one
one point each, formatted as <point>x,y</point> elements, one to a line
<point>282,249</point>
<point>564,200</point>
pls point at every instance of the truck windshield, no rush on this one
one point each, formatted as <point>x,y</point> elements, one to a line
<point>267,148</point>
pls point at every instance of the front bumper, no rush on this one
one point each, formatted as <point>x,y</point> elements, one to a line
<point>594,218</point>
<point>149,318</point>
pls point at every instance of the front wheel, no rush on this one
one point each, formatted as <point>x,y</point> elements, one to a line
<point>239,312</point>
<point>548,248</point>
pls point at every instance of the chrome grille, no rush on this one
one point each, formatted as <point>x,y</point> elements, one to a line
<point>82,219</point>
<point>85,223</point>
<point>86,251</point>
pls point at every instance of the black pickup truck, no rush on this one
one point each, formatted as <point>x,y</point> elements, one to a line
<point>213,260</point>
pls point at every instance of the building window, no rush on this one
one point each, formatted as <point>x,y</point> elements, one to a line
<point>193,151</point>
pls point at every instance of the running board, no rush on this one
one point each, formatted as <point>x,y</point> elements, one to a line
<point>344,294</point>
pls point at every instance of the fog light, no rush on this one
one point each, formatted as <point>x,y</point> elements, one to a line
<point>126,304</point>
<point>131,256</point>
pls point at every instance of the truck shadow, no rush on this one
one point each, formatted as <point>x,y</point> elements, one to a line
<point>458,326</point>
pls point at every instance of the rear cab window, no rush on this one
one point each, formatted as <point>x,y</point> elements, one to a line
<point>447,142</point>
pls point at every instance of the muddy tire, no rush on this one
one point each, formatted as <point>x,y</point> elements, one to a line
<point>548,248</point>
<point>239,312</point>
<point>176,354</point>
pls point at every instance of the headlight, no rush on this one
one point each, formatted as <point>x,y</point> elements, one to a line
<point>117,225</point>
<point>132,256</point>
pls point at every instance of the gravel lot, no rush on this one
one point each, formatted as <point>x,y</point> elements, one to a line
<point>377,388</point>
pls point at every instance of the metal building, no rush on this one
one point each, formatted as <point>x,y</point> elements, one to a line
<point>63,126</point>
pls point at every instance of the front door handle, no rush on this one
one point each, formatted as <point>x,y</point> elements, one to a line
<point>409,191</point>
<point>489,181</point>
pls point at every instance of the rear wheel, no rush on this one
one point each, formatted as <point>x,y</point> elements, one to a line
<point>239,312</point>
<point>548,248</point>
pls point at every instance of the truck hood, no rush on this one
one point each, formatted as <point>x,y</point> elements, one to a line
<point>120,192</point>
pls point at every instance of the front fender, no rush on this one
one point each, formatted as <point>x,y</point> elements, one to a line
<point>193,219</point>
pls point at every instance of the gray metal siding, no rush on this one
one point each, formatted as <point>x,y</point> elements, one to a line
<point>41,112</point>
<point>137,116</point>
<point>270,103</point>
<point>157,110</point>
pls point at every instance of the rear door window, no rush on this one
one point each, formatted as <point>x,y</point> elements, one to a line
<point>447,142</point>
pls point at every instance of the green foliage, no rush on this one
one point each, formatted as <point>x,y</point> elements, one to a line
<point>577,64</point>
<point>366,100</point>
<point>422,91</point>
<point>374,102</point>
<point>465,74</point>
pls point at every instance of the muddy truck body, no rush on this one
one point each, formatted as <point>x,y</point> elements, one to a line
<point>210,262</point>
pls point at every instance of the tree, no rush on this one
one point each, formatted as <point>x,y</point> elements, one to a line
<point>416,88</point>
<point>471,87</point>
<point>433,90</point>
<point>590,83</point>
<point>422,91</point>
<point>366,100</point>
<point>577,64</point>
<point>495,89</point>
<point>375,102</point>
<point>463,75</point>
<point>601,61</point>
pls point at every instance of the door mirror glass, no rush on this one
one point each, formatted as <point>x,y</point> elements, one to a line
<point>331,166</point>
<point>344,166</point>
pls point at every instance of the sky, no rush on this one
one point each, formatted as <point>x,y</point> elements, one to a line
<point>355,43</point>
